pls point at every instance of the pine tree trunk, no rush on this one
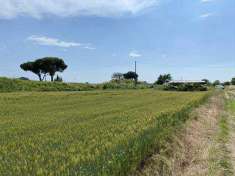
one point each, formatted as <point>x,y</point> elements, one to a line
<point>52,78</point>
<point>40,77</point>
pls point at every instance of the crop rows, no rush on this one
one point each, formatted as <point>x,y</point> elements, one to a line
<point>87,133</point>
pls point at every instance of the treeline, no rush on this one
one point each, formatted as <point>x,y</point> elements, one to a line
<point>227,83</point>
<point>49,66</point>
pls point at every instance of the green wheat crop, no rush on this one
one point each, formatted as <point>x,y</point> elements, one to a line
<point>86,133</point>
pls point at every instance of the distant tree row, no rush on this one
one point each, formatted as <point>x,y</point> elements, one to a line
<point>226,83</point>
<point>48,66</point>
<point>162,79</point>
<point>129,75</point>
<point>165,78</point>
<point>45,66</point>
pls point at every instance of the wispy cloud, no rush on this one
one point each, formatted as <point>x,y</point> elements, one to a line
<point>206,15</point>
<point>134,54</point>
<point>63,8</point>
<point>48,41</point>
<point>89,47</point>
<point>205,1</point>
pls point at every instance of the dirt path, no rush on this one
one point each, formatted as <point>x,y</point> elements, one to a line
<point>188,154</point>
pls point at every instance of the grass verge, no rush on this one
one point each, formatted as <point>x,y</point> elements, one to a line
<point>220,154</point>
<point>186,151</point>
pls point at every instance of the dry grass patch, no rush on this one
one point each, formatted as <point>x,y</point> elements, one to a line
<point>187,153</point>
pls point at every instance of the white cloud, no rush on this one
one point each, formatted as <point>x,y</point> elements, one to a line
<point>206,15</point>
<point>205,1</point>
<point>89,47</point>
<point>134,54</point>
<point>48,41</point>
<point>64,8</point>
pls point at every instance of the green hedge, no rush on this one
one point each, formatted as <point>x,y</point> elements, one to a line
<point>186,87</point>
<point>124,84</point>
<point>13,85</point>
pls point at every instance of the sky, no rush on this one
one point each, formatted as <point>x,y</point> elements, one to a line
<point>190,39</point>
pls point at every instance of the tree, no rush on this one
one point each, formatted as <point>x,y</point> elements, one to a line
<point>163,79</point>
<point>117,76</point>
<point>58,79</point>
<point>131,75</point>
<point>34,67</point>
<point>233,81</point>
<point>206,81</point>
<point>44,66</point>
<point>51,65</point>
<point>226,83</point>
<point>216,82</point>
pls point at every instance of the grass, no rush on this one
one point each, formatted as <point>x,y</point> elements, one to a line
<point>220,163</point>
<point>220,154</point>
<point>87,133</point>
<point>125,84</point>
<point>186,151</point>
<point>14,85</point>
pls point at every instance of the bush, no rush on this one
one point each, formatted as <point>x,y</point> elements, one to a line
<point>186,87</point>
<point>23,78</point>
<point>233,81</point>
<point>227,83</point>
<point>125,84</point>
<point>13,85</point>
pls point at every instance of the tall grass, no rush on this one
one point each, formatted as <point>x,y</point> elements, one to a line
<point>12,85</point>
<point>220,154</point>
<point>90,133</point>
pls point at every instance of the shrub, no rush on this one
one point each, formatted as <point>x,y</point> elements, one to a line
<point>233,81</point>
<point>13,85</point>
<point>186,87</point>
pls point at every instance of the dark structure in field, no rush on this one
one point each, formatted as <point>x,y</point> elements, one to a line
<point>186,85</point>
<point>180,82</point>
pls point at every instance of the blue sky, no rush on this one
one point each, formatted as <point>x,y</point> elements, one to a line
<point>191,39</point>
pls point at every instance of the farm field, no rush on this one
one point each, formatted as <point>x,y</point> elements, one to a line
<point>86,133</point>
